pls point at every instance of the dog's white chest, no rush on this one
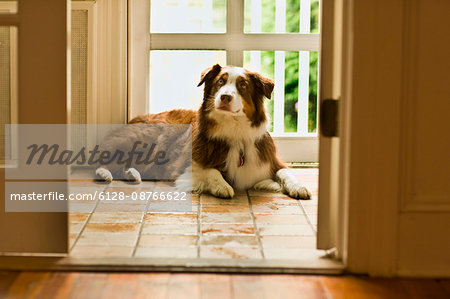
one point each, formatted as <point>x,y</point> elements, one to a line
<point>244,167</point>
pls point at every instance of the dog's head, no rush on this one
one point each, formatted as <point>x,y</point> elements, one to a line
<point>235,91</point>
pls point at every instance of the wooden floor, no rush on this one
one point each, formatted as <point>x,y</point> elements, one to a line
<point>216,286</point>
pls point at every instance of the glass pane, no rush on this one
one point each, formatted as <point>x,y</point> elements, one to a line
<point>179,69</point>
<point>281,16</point>
<point>299,81</point>
<point>188,16</point>
<point>8,87</point>
<point>312,105</point>
<point>8,6</point>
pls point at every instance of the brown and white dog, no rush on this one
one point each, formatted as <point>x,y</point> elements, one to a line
<point>231,146</point>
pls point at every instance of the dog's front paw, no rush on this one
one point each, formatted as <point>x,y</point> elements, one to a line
<point>297,191</point>
<point>132,175</point>
<point>103,174</point>
<point>222,189</point>
<point>268,185</point>
<point>291,186</point>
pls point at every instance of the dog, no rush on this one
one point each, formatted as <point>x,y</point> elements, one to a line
<point>231,146</point>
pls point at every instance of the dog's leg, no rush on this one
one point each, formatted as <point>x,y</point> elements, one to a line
<point>103,174</point>
<point>291,186</point>
<point>210,180</point>
<point>132,175</point>
<point>268,185</point>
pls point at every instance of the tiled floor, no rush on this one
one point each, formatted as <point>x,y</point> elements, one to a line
<point>252,225</point>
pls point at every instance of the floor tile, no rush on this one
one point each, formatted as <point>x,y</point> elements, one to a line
<point>125,184</point>
<point>72,238</point>
<point>215,208</point>
<point>312,218</point>
<point>171,206</point>
<point>166,252</point>
<point>170,218</point>
<point>209,199</point>
<point>289,241</point>
<point>226,218</point>
<point>102,251</point>
<point>277,209</point>
<point>112,227</point>
<point>310,209</point>
<point>111,207</point>
<point>169,229</point>
<point>116,217</point>
<point>280,219</point>
<point>107,239</point>
<point>263,193</point>
<point>230,252</point>
<point>227,229</point>
<point>285,230</point>
<point>89,188</point>
<point>129,190</point>
<point>264,200</point>
<point>75,228</point>
<point>229,241</point>
<point>310,202</point>
<point>78,217</point>
<point>167,241</point>
<point>81,207</point>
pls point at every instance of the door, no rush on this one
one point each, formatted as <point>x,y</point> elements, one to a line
<point>43,97</point>
<point>330,227</point>
<point>394,170</point>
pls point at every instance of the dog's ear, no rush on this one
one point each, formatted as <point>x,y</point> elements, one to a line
<point>209,74</point>
<point>262,84</point>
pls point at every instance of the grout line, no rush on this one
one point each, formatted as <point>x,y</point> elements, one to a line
<point>255,226</point>
<point>307,218</point>
<point>141,227</point>
<point>199,224</point>
<point>85,223</point>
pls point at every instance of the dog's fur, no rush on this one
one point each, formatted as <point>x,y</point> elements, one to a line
<point>231,146</point>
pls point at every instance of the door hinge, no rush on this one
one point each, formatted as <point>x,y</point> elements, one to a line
<point>329,118</point>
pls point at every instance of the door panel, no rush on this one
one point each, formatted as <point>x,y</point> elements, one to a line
<point>43,77</point>
<point>425,165</point>
<point>330,88</point>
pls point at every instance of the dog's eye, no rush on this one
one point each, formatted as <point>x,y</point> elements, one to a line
<point>220,82</point>
<point>243,85</point>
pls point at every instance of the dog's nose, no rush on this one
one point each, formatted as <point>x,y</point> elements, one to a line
<point>226,98</point>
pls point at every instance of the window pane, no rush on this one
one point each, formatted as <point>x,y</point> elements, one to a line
<point>8,6</point>
<point>188,16</point>
<point>174,76</point>
<point>312,105</point>
<point>298,76</point>
<point>281,16</point>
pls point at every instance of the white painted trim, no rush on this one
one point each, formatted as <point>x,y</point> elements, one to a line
<point>112,67</point>
<point>138,57</point>
<point>230,42</point>
<point>297,149</point>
